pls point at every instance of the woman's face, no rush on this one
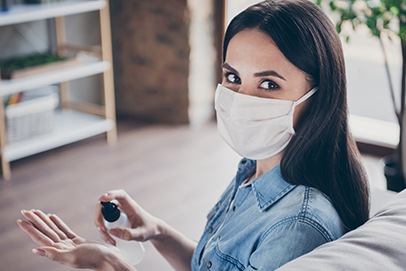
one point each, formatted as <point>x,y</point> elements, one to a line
<point>255,66</point>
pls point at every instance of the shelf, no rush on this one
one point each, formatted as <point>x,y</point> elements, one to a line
<point>71,126</point>
<point>81,70</point>
<point>27,13</point>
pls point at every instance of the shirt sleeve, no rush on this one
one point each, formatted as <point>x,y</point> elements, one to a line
<point>285,242</point>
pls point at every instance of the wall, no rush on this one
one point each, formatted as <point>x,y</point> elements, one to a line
<point>151,56</point>
<point>165,58</point>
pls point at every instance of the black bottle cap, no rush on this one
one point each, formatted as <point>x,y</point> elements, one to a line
<point>110,211</point>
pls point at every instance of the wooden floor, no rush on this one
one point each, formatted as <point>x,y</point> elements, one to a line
<point>176,173</point>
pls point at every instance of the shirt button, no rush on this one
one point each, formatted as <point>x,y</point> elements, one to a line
<point>208,264</point>
<point>233,208</point>
<point>210,229</point>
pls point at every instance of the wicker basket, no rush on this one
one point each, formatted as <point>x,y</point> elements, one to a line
<point>33,116</point>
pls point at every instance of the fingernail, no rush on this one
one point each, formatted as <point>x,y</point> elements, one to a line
<point>103,197</point>
<point>39,252</point>
<point>23,211</point>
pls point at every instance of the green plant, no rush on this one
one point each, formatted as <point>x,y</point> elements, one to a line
<point>28,61</point>
<point>382,18</point>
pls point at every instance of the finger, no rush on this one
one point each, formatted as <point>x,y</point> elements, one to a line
<point>37,236</point>
<point>62,226</point>
<point>128,234</point>
<point>40,225</point>
<point>50,224</point>
<point>106,236</point>
<point>125,202</point>
<point>99,222</point>
<point>78,260</point>
<point>98,218</point>
<point>55,254</point>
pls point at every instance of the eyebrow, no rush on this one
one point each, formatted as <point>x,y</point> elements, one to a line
<point>257,74</point>
<point>228,67</point>
<point>269,73</point>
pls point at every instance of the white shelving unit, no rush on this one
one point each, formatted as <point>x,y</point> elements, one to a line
<point>28,13</point>
<point>76,126</point>
<point>80,70</point>
<point>75,121</point>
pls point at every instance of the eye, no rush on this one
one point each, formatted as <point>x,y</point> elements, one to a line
<point>269,85</point>
<point>232,78</point>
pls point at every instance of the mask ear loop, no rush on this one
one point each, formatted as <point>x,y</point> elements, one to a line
<point>306,96</point>
<point>299,101</point>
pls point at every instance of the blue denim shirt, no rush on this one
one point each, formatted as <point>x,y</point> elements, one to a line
<point>263,225</point>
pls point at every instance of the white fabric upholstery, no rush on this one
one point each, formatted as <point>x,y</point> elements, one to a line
<point>379,244</point>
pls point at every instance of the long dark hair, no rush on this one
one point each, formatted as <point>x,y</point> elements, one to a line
<point>322,154</point>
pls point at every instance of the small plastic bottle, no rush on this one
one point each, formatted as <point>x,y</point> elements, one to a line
<point>132,251</point>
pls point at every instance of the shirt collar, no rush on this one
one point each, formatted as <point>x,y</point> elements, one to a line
<point>268,188</point>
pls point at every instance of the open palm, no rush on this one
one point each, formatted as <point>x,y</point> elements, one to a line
<point>59,243</point>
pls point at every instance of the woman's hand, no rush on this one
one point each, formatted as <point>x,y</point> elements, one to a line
<point>59,243</point>
<point>173,245</point>
<point>144,226</point>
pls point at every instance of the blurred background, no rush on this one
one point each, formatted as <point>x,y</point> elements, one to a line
<point>148,71</point>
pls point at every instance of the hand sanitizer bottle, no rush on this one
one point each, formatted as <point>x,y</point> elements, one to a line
<point>132,251</point>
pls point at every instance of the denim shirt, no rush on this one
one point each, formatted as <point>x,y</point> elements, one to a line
<point>264,224</point>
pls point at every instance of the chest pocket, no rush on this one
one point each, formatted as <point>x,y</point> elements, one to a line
<point>214,219</point>
<point>216,260</point>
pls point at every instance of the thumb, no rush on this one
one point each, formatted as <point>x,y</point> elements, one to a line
<point>122,233</point>
<point>53,254</point>
<point>127,233</point>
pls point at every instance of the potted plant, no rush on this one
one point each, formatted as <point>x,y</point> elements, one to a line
<point>382,18</point>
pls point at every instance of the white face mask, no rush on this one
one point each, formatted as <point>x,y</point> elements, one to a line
<point>254,127</point>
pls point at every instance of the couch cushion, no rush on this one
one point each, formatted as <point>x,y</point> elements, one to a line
<point>379,244</point>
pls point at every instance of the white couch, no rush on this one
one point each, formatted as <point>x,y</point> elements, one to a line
<point>379,244</point>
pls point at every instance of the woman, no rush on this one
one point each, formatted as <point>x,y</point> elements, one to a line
<point>282,106</point>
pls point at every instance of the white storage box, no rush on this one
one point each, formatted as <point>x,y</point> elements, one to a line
<point>33,115</point>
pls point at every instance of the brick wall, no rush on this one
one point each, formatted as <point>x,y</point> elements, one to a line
<point>151,59</point>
